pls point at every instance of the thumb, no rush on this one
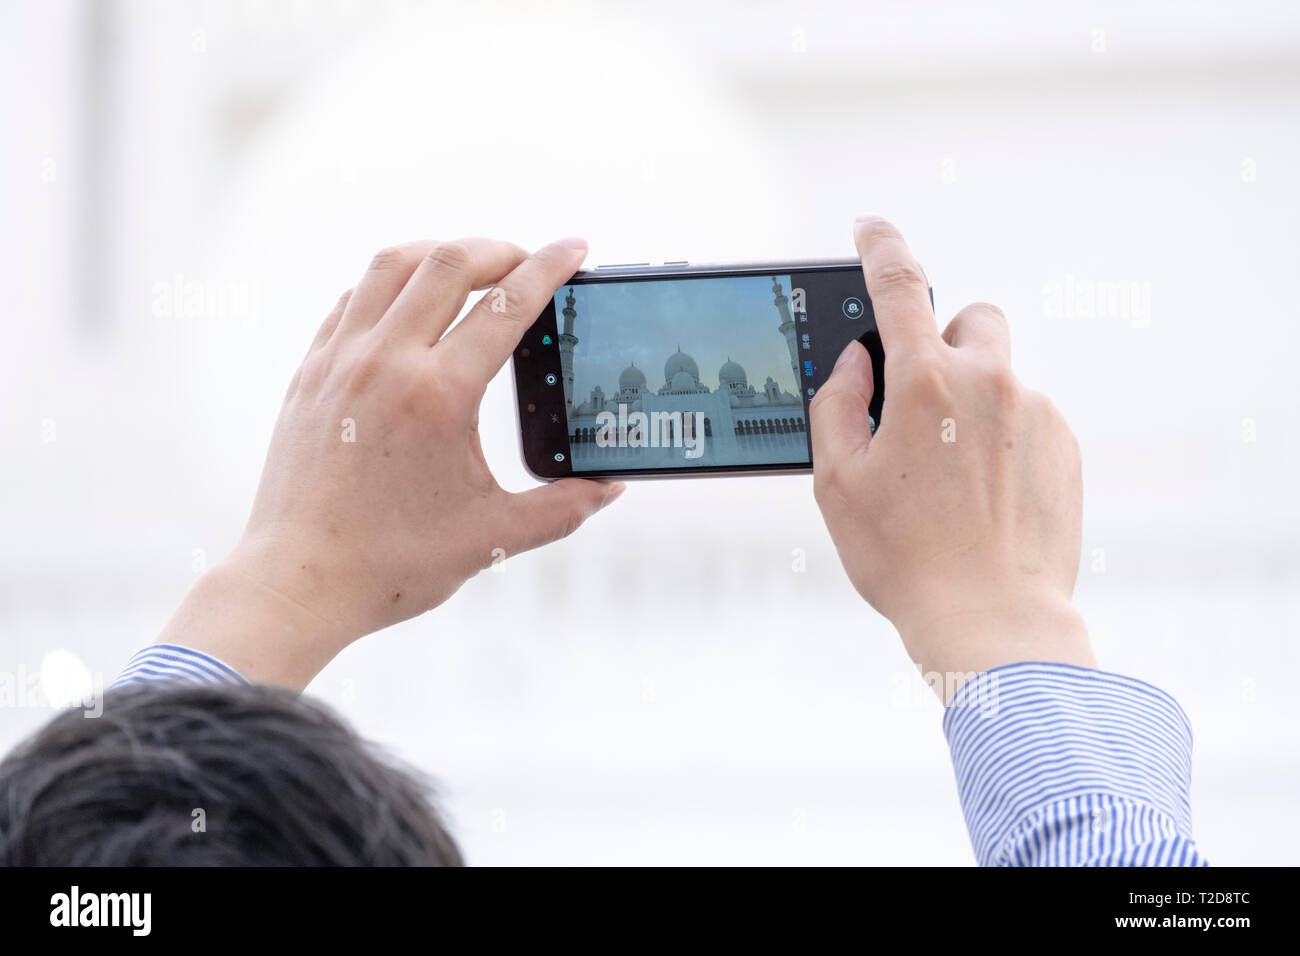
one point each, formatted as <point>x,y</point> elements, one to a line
<point>838,416</point>
<point>555,511</point>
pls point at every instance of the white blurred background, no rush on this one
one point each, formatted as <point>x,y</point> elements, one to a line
<point>666,690</point>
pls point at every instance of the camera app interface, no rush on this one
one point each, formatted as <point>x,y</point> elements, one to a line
<point>656,375</point>
<point>682,373</point>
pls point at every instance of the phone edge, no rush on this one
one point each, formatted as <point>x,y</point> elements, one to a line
<point>646,270</point>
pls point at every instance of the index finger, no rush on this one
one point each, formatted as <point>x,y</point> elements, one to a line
<point>900,294</point>
<point>480,344</point>
<point>433,296</point>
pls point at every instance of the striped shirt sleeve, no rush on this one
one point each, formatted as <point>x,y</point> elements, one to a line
<point>1063,766</point>
<point>170,662</point>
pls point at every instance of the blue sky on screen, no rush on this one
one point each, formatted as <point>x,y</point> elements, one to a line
<point>645,322</point>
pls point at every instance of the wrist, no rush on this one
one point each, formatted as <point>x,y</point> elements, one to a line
<point>962,639</point>
<point>272,627</point>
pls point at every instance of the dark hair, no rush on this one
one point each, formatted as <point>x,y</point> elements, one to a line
<point>280,780</point>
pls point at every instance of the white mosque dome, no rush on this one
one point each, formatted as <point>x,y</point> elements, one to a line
<point>732,373</point>
<point>679,361</point>
<point>631,377</point>
<point>683,382</point>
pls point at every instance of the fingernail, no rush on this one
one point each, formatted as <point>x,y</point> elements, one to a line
<point>614,491</point>
<point>850,354</point>
<point>867,217</point>
<point>573,242</point>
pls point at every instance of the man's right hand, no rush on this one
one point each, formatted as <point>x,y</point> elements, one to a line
<point>960,519</point>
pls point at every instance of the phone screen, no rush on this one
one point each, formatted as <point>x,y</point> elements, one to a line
<point>707,372</point>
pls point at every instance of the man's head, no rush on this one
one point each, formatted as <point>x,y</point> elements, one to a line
<point>211,775</point>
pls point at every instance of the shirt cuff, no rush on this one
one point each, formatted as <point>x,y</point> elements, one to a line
<point>161,663</point>
<point>1033,740</point>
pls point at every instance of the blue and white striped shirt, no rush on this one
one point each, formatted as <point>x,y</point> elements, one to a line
<point>1056,765</point>
<point>1062,765</point>
<point>171,662</point>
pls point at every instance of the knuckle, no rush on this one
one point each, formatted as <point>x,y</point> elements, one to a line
<point>1004,387</point>
<point>895,276</point>
<point>828,478</point>
<point>446,396</point>
<point>503,302</point>
<point>925,380</point>
<point>452,382</point>
<point>311,374</point>
<point>388,258</point>
<point>1044,408</point>
<point>445,409</point>
<point>451,256</point>
<point>423,387</point>
<point>363,370</point>
<point>1052,421</point>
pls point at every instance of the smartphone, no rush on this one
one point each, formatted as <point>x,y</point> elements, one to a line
<point>685,370</point>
